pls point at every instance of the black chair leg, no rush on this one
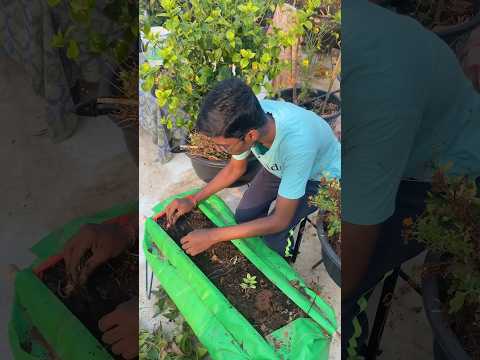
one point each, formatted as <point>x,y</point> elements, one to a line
<point>296,246</point>
<point>381,316</point>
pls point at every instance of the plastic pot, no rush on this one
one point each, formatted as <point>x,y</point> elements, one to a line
<point>287,95</point>
<point>446,345</point>
<point>330,259</point>
<point>208,169</point>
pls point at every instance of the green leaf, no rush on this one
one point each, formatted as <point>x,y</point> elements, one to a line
<point>230,35</point>
<point>265,58</point>
<point>244,63</point>
<point>457,301</point>
<point>73,52</point>
<point>201,352</point>
<point>147,85</point>
<point>308,24</point>
<point>53,3</point>
<point>58,40</point>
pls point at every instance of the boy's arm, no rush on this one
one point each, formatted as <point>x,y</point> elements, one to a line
<point>200,240</point>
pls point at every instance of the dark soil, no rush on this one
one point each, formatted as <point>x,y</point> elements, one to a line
<point>265,307</point>
<point>465,324</point>
<point>110,285</point>
<point>330,108</point>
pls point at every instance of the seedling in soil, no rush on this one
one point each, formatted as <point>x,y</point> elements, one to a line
<point>249,282</point>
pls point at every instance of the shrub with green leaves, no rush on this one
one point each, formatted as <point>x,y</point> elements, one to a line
<point>328,201</point>
<point>450,226</point>
<point>81,36</point>
<point>209,42</point>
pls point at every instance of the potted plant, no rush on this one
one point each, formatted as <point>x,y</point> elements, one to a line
<point>449,227</point>
<point>317,29</point>
<point>208,42</point>
<point>447,18</point>
<point>329,225</point>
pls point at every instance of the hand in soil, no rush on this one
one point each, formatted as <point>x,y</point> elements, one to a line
<point>120,329</point>
<point>198,241</point>
<point>103,241</point>
<point>177,208</point>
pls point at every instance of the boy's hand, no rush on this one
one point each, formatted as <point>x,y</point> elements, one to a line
<point>177,208</point>
<point>120,329</point>
<point>105,241</point>
<point>198,241</point>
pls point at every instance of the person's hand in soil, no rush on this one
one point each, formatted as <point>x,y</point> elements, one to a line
<point>177,208</point>
<point>104,241</point>
<point>198,241</point>
<point>120,329</point>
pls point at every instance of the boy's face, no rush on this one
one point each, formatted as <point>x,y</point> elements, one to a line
<point>235,146</point>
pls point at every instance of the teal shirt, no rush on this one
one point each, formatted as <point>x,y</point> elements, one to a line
<point>406,105</point>
<point>304,148</point>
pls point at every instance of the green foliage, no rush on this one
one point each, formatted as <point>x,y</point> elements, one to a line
<point>182,344</point>
<point>80,36</point>
<point>249,282</point>
<point>450,226</point>
<point>208,42</point>
<point>318,39</point>
<point>328,200</point>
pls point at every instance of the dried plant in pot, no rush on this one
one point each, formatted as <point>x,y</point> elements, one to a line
<point>208,160</point>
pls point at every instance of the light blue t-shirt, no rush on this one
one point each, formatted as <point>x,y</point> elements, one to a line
<point>305,148</point>
<point>406,106</point>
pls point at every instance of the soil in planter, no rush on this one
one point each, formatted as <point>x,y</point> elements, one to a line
<point>265,307</point>
<point>110,285</point>
<point>330,108</point>
<point>465,324</point>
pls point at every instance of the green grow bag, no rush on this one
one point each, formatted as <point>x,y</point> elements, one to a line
<point>63,332</point>
<point>219,326</point>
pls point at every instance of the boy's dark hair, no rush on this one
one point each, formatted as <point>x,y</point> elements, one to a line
<point>230,110</point>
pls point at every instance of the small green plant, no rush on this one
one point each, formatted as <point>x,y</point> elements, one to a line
<point>449,226</point>
<point>249,282</point>
<point>328,200</point>
<point>80,35</point>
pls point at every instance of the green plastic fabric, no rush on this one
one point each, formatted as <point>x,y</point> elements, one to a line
<point>303,339</point>
<point>65,334</point>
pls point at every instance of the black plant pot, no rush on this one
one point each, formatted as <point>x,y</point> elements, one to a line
<point>446,345</point>
<point>208,169</point>
<point>330,259</point>
<point>287,95</point>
